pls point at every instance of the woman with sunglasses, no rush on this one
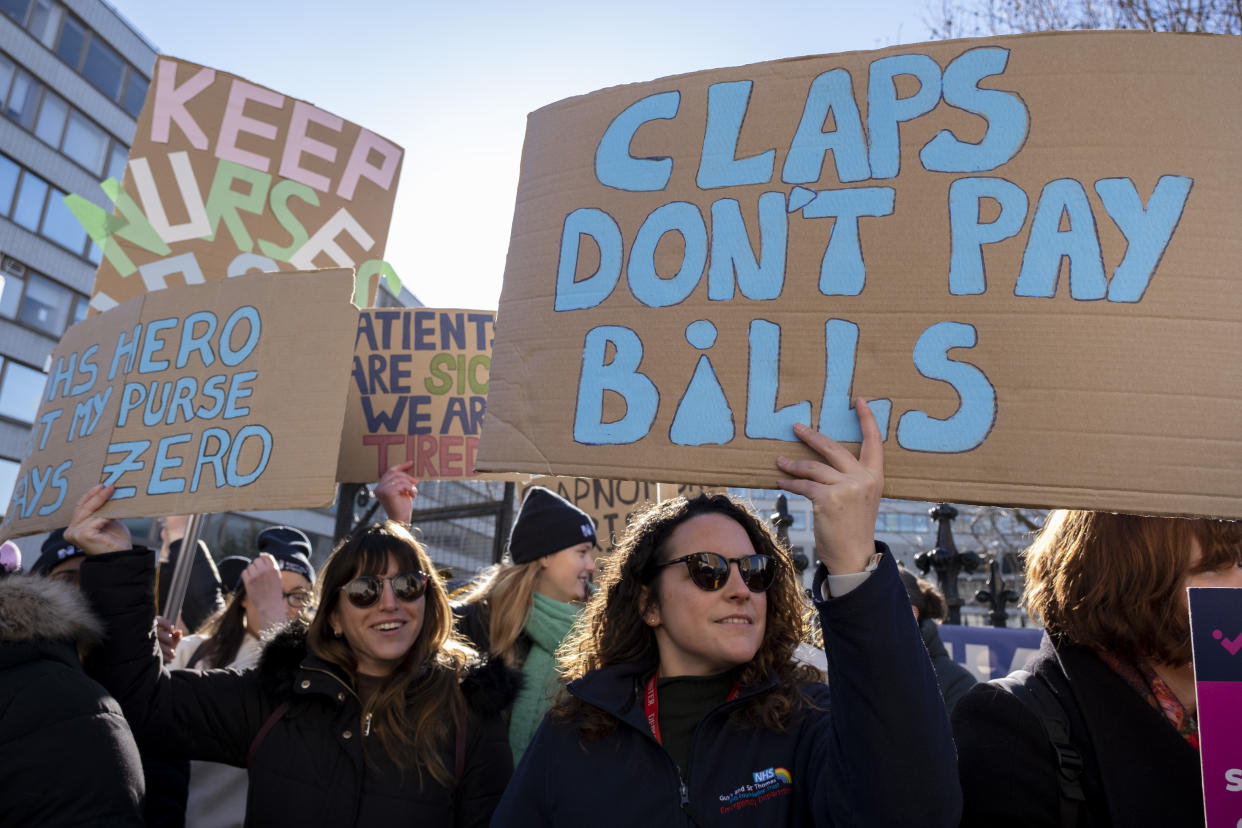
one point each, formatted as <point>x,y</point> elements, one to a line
<point>685,706</point>
<point>373,714</point>
<point>520,611</point>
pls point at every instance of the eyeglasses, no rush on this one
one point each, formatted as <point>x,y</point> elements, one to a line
<point>710,571</point>
<point>298,599</point>
<point>365,590</point>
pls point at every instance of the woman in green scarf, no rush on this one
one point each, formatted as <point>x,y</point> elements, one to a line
<point>519,611</point>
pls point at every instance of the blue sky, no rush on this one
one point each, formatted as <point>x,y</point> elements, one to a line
<point>452,84</point>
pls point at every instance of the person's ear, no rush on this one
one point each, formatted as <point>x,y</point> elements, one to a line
<point>648,608</point>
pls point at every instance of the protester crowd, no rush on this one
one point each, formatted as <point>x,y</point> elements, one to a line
<point>657,688</point>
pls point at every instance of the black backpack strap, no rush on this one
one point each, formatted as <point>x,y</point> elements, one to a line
<point>1037,696</point>
<point>279,712</point>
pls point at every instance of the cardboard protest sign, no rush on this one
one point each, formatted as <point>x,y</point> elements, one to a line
<point>1216,637</point>
<point>206,398</point>
<point>609,502</point>
<point>1016,247</point>
<point>228,177</point>
<point>417,391</point>
<point>688,490</point>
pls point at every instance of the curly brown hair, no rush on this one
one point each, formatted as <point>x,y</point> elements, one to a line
<point>611,631</point>
<point>413,709</point>
<point>1116,581</point>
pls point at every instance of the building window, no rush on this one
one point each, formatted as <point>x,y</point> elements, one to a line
<point>46,305</point>
<point>35,300</point>
<point>46,22</point>
<point>91,57</point>
<point>16,9</point>
<point>135,93</point>
<point>20,391</point>
<point>28,211</point>
<point>11,293</point>
<point>85,143</point>
<point>23,100</point>
<point>8,184</point>
<point>7,70</point>
<point>103,68</point>
<point>51,125</point>
<point>33,210</point>
<point>116,161</point>
<point>59,125</point>
<point>61,225</point>
<point>72,39</point>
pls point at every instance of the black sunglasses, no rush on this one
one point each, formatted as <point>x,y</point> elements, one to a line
<point>365,590</point>
<point>710,571</point>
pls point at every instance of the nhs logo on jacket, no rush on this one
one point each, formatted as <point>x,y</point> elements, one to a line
<point>770,774</point>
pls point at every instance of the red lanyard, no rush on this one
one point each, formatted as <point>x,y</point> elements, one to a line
<point>651,704</point>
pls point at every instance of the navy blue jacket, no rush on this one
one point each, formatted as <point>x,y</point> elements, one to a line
<point>883,755</point>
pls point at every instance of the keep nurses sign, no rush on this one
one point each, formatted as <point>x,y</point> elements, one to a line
<point>227,177</point>
<point>195,399</point>
<point>1022,250</point>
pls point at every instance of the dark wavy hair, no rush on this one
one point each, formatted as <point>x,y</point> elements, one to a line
<point>414,709</point>
<point>612,631</point>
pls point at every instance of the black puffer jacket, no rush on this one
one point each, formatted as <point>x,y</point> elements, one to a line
<point>314,766</point>
<point>66,753</point>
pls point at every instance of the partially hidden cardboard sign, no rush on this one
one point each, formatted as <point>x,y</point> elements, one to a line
<point>610,503</point>
<point>1216,636</point>
<point>1022,249</point>
<point>227,177</point>
<point>417,392</point>
<point>208,398</point>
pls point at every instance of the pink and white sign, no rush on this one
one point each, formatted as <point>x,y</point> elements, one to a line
<point>1216,634</point>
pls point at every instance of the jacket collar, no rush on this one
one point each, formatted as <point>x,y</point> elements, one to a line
<point>617,688</point>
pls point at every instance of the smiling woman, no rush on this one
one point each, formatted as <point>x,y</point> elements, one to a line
<point>375,713</point>
<point>685,703</point>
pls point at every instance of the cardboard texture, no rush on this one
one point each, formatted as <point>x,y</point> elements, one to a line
<point>1023,247</point>
<point>610,503</point>
<point>417,391</point>
<point>206,398</point>
<point>227,177</point>
<point>1216,637</point>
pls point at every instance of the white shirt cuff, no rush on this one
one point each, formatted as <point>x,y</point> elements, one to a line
<point>835,586</point>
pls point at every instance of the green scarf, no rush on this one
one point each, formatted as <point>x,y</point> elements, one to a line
<point>547,624</point>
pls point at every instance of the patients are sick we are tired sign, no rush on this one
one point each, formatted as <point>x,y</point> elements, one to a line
<point>1022,250</point>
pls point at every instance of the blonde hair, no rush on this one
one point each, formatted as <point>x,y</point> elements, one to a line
<point>507,591</point>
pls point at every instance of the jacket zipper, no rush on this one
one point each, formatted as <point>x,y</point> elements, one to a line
<point>366,726</point>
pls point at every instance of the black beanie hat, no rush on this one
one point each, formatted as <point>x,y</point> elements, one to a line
<point>290,547</point>
<point>546,524</point>
<point>54,551</point>
<point>231,569</point>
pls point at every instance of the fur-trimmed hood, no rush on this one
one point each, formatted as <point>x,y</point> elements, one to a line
<point>489,686</point>
<point>34,608</point>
